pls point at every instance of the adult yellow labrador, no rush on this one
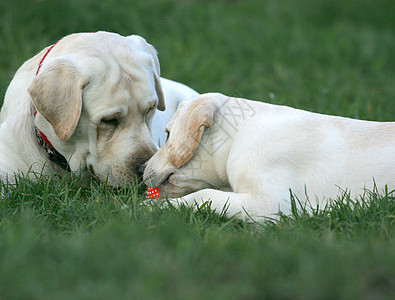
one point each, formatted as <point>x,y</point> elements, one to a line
<point>249,155</point>
<point>88,104</point>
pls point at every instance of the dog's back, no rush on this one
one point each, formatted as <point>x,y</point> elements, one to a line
<point>316,154</point>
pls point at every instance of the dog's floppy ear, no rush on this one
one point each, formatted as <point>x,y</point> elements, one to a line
<point>57,94</point>
<point>158,85</point>
<point>188,133</point>
<point>159,92</point>
<point>154,54</point>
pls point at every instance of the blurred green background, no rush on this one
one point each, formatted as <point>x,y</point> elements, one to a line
<point>60,239</point>
<point>330,56</point>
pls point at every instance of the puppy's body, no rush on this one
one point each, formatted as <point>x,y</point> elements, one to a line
<point>252,154</point>
<point>96,96</point>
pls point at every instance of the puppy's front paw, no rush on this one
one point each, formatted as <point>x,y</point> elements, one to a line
<point>153,198</point>
<point>161,203</point>
<point>178,202</point>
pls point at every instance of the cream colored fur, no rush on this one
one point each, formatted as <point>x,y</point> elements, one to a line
<point>248,155</point>
<point>97,96</point>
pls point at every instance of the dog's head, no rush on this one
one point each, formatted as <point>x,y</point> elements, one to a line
<point>96,94</point>
<point>183,165</point>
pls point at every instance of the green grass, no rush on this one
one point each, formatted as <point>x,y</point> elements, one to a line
<point>63,238</point>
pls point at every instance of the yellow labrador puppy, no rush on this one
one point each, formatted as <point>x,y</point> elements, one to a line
<point>249,155</point>
<point>87,104</point>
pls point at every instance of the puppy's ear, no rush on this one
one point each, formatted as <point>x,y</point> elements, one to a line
<point>57,94</point>
<point>154,54</point>
<point>188,131</point>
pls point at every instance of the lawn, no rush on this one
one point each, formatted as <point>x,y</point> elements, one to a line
<point>65,238</point>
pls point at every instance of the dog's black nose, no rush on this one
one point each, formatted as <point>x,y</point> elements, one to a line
<point>139,168</point>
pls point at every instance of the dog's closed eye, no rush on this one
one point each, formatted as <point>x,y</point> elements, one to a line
<point>167,134</point>
<point>110,121</point>
<point>148,115</point>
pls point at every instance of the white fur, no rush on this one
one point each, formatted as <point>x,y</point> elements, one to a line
<point>117,75</point>
<point>174,93</point>
<point>254,153</point>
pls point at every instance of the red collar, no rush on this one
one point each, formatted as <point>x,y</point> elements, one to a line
<point>45,55</point>
<point>45,139</point>
<point>53,154</point>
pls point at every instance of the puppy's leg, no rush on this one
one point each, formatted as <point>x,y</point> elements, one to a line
<point>243,206</point>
